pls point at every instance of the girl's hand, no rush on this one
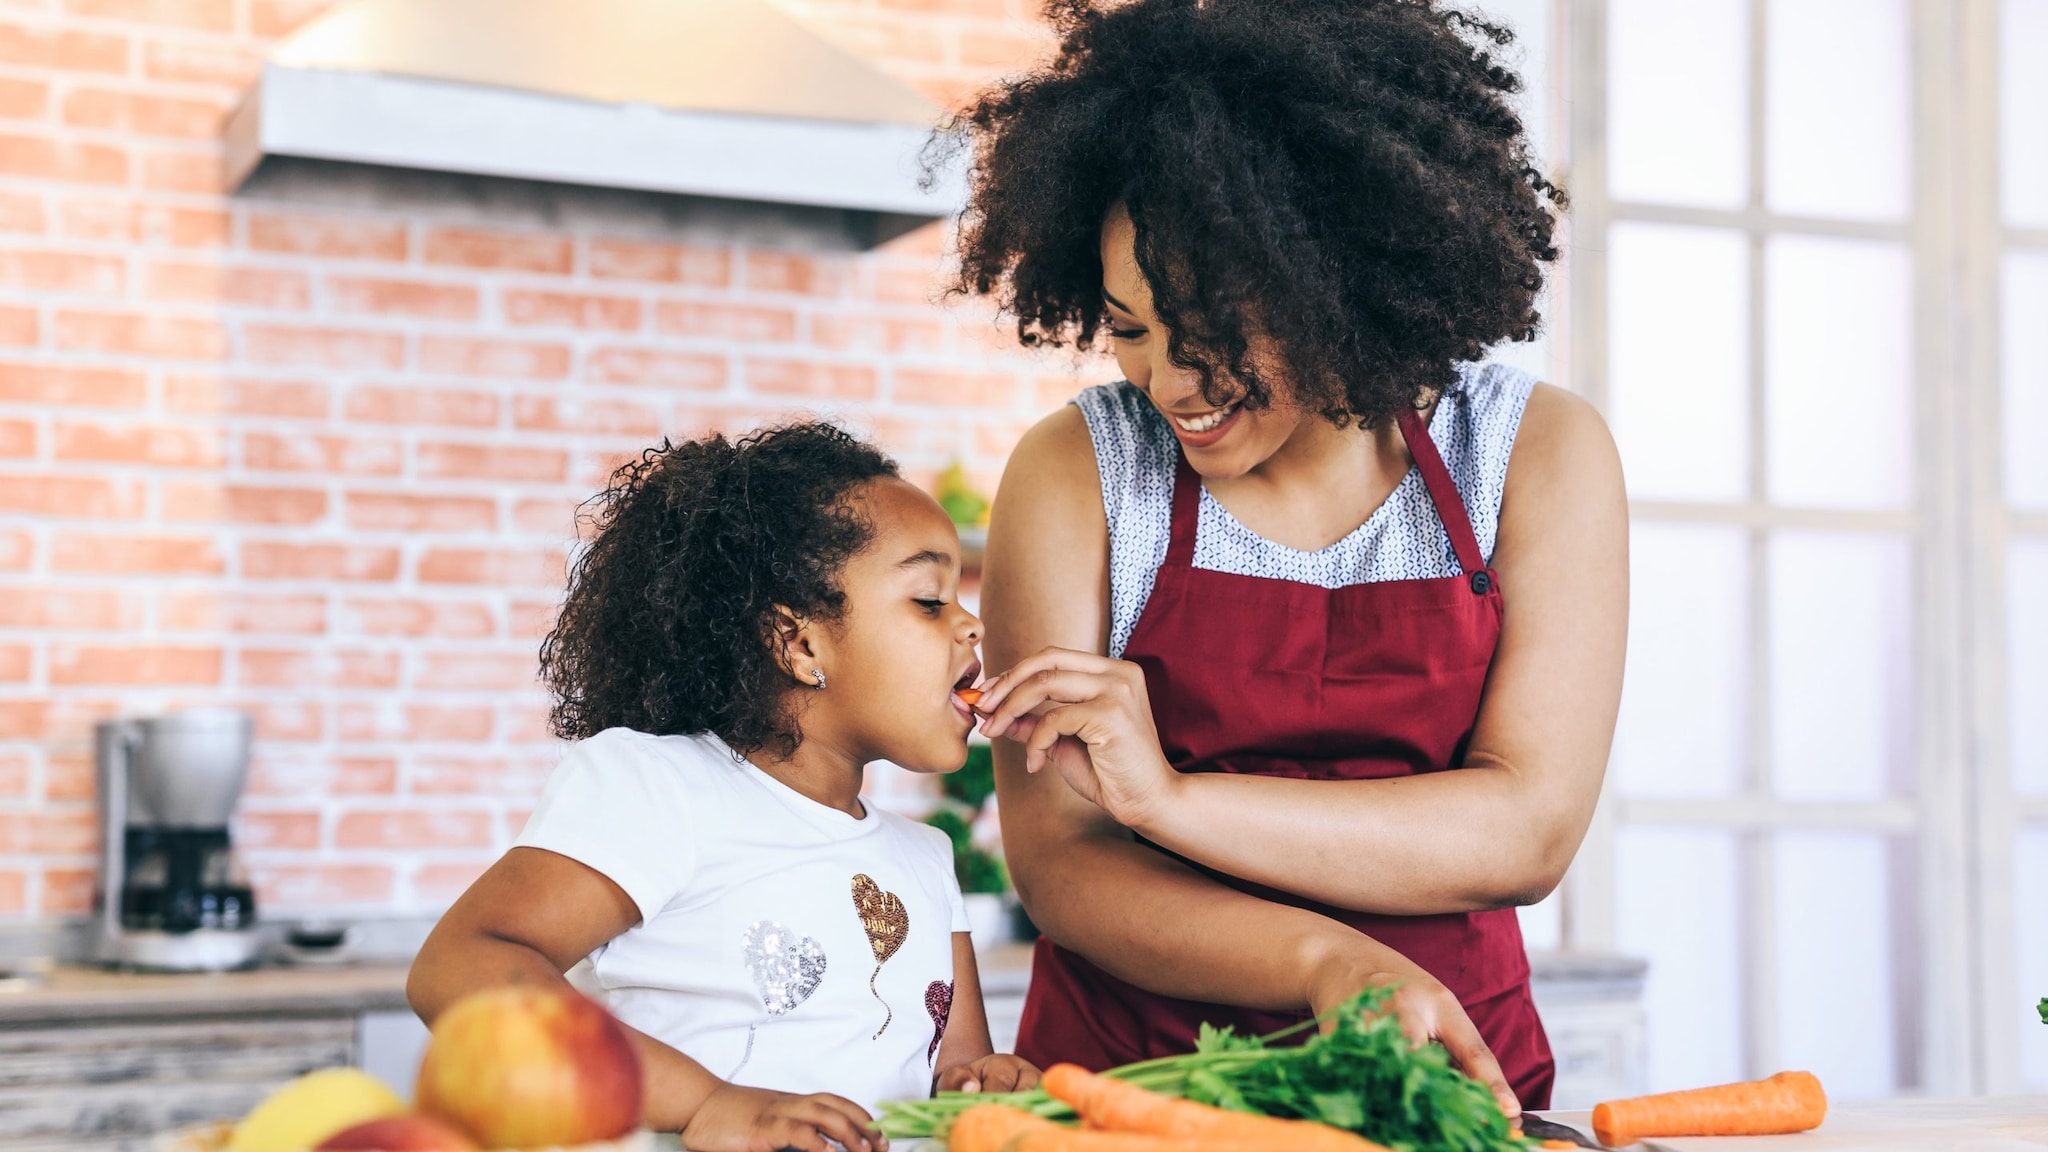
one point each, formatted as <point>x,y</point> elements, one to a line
<point>736,1119</point>
<point>1001,1072</point>
<point>1090,716</point>
<point>1426,1009</point>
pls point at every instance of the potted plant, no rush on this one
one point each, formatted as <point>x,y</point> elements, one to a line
<point>984,881</point>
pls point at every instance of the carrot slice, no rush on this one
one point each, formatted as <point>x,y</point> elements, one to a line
<point>991,1127</point>
<point>971,695</point>
<point>1787,1102</point>
<point>1116,1106</point>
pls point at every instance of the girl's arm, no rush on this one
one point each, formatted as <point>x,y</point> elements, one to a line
<point>1499,833</point>
<point>531,917</point>
<point>966,1059</point>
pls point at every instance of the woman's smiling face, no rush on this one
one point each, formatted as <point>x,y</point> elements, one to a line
<point>1220,441</point>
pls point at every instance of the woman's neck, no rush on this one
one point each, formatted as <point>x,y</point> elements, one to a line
<point>1320,485</point>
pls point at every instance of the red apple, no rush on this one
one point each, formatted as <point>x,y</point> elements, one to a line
<point>399,1134</point>
<point>526,1068</point>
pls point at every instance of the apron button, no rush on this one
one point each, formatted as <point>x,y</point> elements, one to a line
<point>1481,582</point>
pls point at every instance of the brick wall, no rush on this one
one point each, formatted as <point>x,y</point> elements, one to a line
<point>315,454</point>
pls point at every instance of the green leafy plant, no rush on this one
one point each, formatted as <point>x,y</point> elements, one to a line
<point>975,782</point>
<point>2043,1006</point>
<point>1362,1076</point>
<point>979,871</point>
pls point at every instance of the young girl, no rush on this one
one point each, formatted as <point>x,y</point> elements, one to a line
<point>753,623</point>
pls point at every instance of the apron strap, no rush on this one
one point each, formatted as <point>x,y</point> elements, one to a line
<point>1443,492</point>
<point>1187,512</point>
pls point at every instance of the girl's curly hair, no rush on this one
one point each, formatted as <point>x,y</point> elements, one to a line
<point>668,626</point>
<point>1344,177</point>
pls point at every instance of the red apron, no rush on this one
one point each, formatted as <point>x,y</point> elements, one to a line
<point>1273,678</point>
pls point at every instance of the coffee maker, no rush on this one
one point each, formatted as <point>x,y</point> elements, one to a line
<point>171,895</point>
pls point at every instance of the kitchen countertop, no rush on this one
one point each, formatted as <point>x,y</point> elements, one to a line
<point>1964,1124</point>
<point>74,994</point>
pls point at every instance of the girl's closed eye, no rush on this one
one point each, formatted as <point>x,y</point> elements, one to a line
<point>931,606</point>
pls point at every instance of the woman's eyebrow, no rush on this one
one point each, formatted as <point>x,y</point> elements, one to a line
<point>1116,302</point>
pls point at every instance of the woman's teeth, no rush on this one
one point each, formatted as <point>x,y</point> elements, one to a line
<point>1207,421</point>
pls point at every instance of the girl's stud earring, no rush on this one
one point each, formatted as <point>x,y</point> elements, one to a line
<point>818,674</point>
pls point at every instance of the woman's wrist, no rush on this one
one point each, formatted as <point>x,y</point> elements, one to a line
<point>1155,814</point>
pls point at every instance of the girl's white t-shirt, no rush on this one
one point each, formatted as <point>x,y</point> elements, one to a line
<point>782,943</point>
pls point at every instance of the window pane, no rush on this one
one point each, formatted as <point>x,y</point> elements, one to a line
<point>1841,628</point>
<point>2023,92</point>
<point>1838,80</point>
<point>1675,905</point>
<point>2026,669</point>
<point>2024,362</point>
<point>1678,102</point>
<point>1682,730</point>
<point>1838,359</point>
<point>2030,865</point>
<point>1678,361</point>
<point>1835,991</point>
<point>1543,923</point>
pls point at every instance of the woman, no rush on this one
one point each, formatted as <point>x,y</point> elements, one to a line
<point>1317,624</point>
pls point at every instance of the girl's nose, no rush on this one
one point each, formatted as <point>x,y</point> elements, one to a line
<point>973,627</point>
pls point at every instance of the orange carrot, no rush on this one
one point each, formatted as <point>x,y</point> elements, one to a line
<point>971,696</point>
<point>1116,1106</point>
<point>1557,1144</point>
<point>991,1127</point>
<point>1787,1102</point>
<point>1089,1140</point>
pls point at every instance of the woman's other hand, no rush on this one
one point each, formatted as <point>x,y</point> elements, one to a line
<point>1426,1009</point>
<point>1089,716</point>
<point>737,1119</point>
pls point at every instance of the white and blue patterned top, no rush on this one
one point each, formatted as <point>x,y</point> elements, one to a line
<point>1474,430</point>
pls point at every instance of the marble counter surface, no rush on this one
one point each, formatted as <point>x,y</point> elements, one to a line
<point>72,994</point>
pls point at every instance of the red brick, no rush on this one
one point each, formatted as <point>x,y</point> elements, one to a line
<point>241,504</point>
<point>572,310</point>
<point>431,828</point>
<point>511,251</point>
<point>136,665</point>
<point>492,462</point>
<point>14,892</point>
<point>665,263</point>
<point>18,326</point>
<point>531,620</point>
<point>476,670</point>
<point>134,114</point>
<point>260,829</point>
<point>1049,392</point>
<point>298,721</point>
<point>324,347</point>
<point>317,668</point>
<point>526,724</point>
<point>404,512</point>
<point>898,286</point>
<point>655,368</point>
<point>136,555</point>
<point>416,406</point>
<point>61,272</point>
<point>15,662</point>
<point>555,517</point>
<point>302,399</point>
<point>71,497</point>
<point>727,322</point>
<point>334,237</point>
<point>59,384</point>
<point>141,334</point>
<point>212,284</point>
<point>65,50</point>
<point>955,389</point>
<point>442,881</point>
<point>159,445</point>
<point>49,832</point>
<point>346,455</point>
<point>273,18</point>
<point>206,61</point>
<point>1003,51</point>
<point>210,15</point>
<point>496,358</point>
<point>521,776</point>
<point>17,551</point>
<point>595,417</point>
<point>41,158</point>
<point>23,99</point>
<point>415,723</point>
<point>416,298</point>
<point>545,568</point>
<point>69,778</point>
<point>89,218</point>
<point>795,378</point>
<point>787,272</point>
<point>178,227</point>
<point>17,771</point>
<point>184,172</point>
<point>343,776</point>
<point>265,560</point>
<point>18,438</point>
<point>301,886</point>
<point>24,719</point>
<point>242,611</point>
<point>68,610</point>
<point>21,212</point>
<point>457,619</point>
<point>66,891</point>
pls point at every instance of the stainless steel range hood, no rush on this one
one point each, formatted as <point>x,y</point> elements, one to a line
<point>722,98</point>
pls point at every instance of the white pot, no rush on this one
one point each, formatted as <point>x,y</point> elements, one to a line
<point>988,921</point>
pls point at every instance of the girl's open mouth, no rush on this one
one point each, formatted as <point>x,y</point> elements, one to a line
<point>964,696</point>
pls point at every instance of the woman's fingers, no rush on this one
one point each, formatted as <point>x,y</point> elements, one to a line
<point>998,687</point>
<point>1046,686</point>
<point>1469,1051</point>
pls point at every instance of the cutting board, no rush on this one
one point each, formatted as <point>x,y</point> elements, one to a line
<point>1968,1124</point>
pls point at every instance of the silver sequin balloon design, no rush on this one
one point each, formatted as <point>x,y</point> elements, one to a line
<point>786,966</point>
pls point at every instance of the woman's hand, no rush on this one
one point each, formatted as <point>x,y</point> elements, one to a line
<point>1426,1009</point>
<point>1090,717</point>
<point>736,1119</point>
<point>1000,1072</point>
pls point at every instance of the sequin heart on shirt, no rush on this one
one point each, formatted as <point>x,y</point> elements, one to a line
<point>786,967</point>
<point>883,918</point>
<point>938,1000</point>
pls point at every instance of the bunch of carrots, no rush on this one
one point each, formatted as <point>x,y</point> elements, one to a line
<point>1122,1117</point>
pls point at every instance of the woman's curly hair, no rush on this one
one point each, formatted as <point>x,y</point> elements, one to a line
<point>1344,177</point>
<point>669,623</point>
